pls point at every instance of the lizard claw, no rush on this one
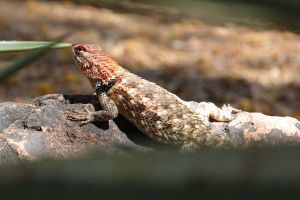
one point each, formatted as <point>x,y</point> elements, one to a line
<point>84,117</point>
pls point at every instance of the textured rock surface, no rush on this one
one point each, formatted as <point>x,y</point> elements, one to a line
<point>37,130</point>
<point>40,129</point>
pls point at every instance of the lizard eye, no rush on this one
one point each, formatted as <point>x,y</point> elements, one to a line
<point>79,49</point>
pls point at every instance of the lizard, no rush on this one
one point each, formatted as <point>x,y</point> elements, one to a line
<point>156,112</point>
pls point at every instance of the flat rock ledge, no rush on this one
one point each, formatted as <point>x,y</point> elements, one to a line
<point>41,129</point>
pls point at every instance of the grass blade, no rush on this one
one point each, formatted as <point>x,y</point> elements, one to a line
<point>17,46</point>
<point>25,60</point>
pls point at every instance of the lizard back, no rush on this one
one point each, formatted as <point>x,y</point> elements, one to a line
<point>158,113</point>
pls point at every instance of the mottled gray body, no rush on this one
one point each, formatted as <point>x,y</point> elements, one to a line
<point>159,113</point>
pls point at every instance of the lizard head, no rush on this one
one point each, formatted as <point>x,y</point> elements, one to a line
<point>95,64</point>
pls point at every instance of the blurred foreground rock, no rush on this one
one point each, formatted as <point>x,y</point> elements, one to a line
<point>256,173</point>
<point>37,130</point>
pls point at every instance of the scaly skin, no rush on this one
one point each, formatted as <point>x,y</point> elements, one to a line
<point>153,110</point>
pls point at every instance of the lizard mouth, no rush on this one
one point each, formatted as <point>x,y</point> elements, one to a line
<point>84,64</point>
<point>81,61</point>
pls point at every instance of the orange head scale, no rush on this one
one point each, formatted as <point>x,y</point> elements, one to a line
<point>95,64</point>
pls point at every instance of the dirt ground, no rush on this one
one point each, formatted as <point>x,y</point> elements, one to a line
<point>254,70</point>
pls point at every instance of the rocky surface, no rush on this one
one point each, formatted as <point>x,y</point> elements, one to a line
<point>41,129</point>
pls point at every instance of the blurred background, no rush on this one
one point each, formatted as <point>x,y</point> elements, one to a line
<point>239,52</point>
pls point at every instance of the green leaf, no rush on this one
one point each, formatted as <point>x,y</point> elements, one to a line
<point>27,59</point>
<point>17,46</point>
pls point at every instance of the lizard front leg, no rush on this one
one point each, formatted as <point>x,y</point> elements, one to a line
<point>110,110</point>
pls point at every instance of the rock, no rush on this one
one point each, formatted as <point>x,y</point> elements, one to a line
<point>40,129</point>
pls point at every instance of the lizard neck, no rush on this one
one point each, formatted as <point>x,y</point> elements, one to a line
<point>104,69</point>
<point>107,76</point>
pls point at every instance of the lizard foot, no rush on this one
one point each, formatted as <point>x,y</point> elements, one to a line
<point>85,117</point>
